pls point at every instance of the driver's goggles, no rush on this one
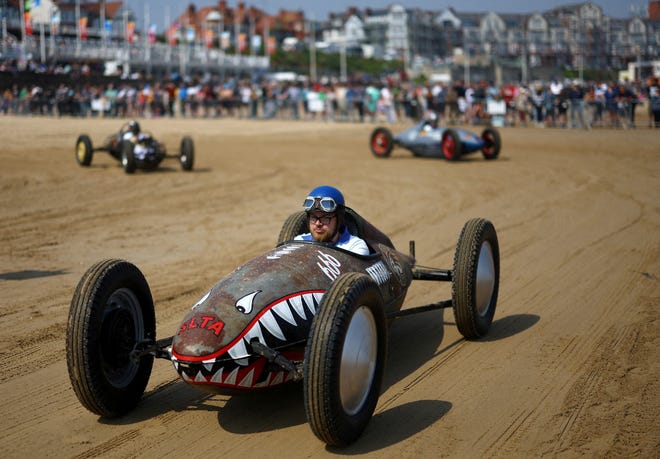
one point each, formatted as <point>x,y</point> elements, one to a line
<point>324,204</point>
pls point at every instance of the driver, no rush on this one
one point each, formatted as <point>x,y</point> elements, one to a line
<point>132,131</point>
<point>431,121</point>
<point>325,218</point>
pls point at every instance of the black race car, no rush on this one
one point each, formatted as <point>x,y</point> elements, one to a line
<point>302,311</point>
<point>135,149</point>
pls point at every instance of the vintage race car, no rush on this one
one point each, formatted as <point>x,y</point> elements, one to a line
<point>436,142</point>
<point>303,311</point>
<point>139,151</point>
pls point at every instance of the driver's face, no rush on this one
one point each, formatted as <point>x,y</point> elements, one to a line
<point>323,226</point>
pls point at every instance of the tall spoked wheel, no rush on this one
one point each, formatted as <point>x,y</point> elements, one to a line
<point>294,225</point>
<point>187,155</point>
<point>381,142</point>
<point>345,359</point>
<point>476,278</point>
<point>84,150</point>
<point>451,145</point>
<point>128,156</point>
<point>111,311</point>
<point>492,143</point>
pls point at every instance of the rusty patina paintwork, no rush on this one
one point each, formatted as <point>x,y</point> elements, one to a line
<point>273,298</point>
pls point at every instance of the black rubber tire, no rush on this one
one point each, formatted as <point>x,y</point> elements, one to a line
<point>187,155</point>
<point>381,142</point>
<point>492,143</point>
<point>111,310</point>
<point>128,156</point>
<point>345,359</point>
<point>476,278</point>
<point>294,225</point>
<point>451,146</point>
<point>84,150</point>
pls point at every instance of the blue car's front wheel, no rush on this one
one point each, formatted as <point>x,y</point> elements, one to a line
<point>451,145</point>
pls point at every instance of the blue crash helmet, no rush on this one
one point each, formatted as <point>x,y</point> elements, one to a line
<point>325,199</point>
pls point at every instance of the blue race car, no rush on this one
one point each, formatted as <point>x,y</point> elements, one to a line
<point>428,140</point>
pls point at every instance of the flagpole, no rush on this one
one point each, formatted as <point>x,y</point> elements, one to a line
<point>251,35</point>
<point>237,29</point>
<point>127,70</point>
<point>77,27</point>
<point>102,16</point>
<point>51,15</point>
<point>168,38</point>
<point>147,38</point>
<point>266,35</point>
<point>22,12</point>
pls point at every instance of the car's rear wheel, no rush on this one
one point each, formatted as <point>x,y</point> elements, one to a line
<point>294,225</point>
<point>84,150</point>
<point>451,145</point>
<point>345,359</point>
<point>492,143</point>
<point>128,156</point>
<point>111,311</point>
<point>187,156</point>
<point>381,142</point>
<point>476,278</point>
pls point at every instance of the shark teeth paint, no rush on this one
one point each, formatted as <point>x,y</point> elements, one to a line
<point>285,321</point>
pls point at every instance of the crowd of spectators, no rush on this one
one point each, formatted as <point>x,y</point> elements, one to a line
<point>556,103</point>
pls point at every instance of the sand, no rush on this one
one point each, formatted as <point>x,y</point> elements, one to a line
<point>571,365</point>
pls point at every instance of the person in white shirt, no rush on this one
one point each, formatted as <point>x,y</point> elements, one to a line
<point>325,217</point>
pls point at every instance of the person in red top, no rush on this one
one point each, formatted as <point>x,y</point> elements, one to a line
<point>509,93</point>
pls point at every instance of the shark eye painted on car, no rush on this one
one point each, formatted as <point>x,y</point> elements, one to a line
<point>203,299</point>
<point>244,305</point>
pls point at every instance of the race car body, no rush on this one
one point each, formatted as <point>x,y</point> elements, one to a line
<point>302,311</point>
<point>424,140</point>
<point>213,347</point>
<point>135,150</point>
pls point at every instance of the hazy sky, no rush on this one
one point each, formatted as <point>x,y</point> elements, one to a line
<point>319,9</point>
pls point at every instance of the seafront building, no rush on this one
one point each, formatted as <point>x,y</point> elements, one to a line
<point>240,38</point>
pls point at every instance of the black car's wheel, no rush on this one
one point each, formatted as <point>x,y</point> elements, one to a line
<point>187,156</point>
<point>345,359</point>
<point>492,143</point>
<point>451,145</point>
<point>476,278</point>
<point>84,150</point>
<point>111,310</point>
<point>128,156</point>
<point>381,142</point>
<point>294,225</point>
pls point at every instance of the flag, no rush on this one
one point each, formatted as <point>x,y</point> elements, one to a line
<point>190,34</point>
<point>209,38</point>
<point>256,42</point>
<point>130,31</point>
<point>242,39</point>
<point>224,40</point>
<point>55,23</point>
<point>152,34</point>
<point>83,28</point>
<point>28,23</point>
<point>271,45</point>
<point>173,33</point>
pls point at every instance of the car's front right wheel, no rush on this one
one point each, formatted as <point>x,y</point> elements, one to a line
<point>345,359</point>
